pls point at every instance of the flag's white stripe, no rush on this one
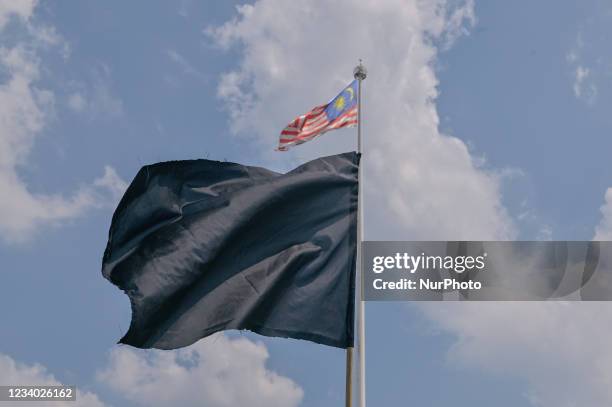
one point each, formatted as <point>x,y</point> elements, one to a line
<point>313,122</point>
<point>303,123</point>
<point>308,135</point>
<point>307,124</point>
<point>313,130</point>
<point>315,127</point>
<point>299,138</point>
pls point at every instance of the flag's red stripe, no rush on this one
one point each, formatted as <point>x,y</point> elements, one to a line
<point>314,123</point>
<point>301,136</point>
<point>305,124</point>
<point>340,121</point>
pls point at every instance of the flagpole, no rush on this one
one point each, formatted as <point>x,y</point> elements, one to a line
<point>360,74</point>
<point>349,378</point>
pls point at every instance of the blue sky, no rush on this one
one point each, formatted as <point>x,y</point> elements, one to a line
<point>486,120</point>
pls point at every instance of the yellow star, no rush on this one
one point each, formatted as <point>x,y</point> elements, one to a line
<point>339,104</point>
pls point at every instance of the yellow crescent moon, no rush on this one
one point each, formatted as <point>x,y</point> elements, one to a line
<point>351,91</point>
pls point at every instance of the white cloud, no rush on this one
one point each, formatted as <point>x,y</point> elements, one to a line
<point>424,181</point>
<point>186,72</point>
<point>582,73</point>
<point>96,98</point>
<point>13,373</point>
<point>76,101</point>
<point>545,233</point>
<point>23,212</point>
<point>184,8</point>
<point>584,85</point>
<point>183,63</point>
<point>561,349</point>
<point>10,8</point>
<point>26,109</point>
<point>584,88</point>
<point>215,372</point>
<point>603,231</point>
<point>103,101</point>
<point>112,182</point>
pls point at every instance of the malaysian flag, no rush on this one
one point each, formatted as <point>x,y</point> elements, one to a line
<point>340,112</point>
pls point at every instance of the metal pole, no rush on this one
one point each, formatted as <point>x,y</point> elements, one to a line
<point>349,377</point>
<point>360,74</point>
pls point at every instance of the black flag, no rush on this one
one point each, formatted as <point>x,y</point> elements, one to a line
<point>202,246</point>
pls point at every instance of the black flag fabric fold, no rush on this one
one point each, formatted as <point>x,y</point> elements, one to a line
<point>202,246</point>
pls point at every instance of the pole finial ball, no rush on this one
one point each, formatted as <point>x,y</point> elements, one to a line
<point>360,72</point>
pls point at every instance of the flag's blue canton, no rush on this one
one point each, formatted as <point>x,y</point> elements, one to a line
<point>346,100</point>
